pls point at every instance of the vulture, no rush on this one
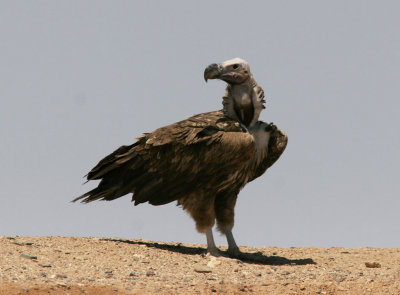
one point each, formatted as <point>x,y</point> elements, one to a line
<point>201,162</point>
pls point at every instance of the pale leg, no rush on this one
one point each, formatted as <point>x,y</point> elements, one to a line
<point>233,249</point>
<point>211,248</point>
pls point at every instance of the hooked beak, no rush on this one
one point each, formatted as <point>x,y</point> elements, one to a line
<point>213,71</point>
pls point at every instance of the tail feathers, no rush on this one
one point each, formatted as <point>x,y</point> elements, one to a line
<point>96,194</point>
<point>102,194</point>
<point>114,185</point>
<point>116,172</point>
<point>98,174</point>
<point>111,162</point>
<point>127,171</point>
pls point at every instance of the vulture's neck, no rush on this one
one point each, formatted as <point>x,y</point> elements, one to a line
<point>244,102</point>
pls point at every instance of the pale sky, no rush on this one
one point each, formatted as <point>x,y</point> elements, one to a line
<point>78,79</point>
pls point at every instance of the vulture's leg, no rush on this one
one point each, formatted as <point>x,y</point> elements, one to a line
<point>201,208</point>
<point>225,214</point>
<point>233,249</point>
<point>211,248</point>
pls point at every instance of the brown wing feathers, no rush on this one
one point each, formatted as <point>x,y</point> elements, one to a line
<point>173,161</point>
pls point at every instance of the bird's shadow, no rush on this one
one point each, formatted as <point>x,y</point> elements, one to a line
<point>251,258</point>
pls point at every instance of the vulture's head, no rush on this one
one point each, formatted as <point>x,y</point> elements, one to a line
<point>233,71</point>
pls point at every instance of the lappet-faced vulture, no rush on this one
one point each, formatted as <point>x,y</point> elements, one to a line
<point>201,162</point>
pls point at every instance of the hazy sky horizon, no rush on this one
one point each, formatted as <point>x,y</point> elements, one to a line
<point>79,79</point>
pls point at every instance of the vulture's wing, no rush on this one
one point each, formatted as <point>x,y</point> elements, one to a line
<point>203,151</point>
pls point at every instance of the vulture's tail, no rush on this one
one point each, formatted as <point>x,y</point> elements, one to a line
<point>113,171</point>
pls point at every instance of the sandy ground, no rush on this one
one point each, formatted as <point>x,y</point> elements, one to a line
<point>69,265</point>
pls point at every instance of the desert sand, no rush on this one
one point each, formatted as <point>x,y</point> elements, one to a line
<point>70,265</point>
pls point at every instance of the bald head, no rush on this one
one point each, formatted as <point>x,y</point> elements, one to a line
<point>237,61</point>
<point>234,71</point>
<point>244,99</point>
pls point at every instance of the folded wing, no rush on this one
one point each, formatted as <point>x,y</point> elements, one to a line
<point>205,152</point>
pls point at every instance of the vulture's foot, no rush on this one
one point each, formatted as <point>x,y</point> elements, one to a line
<point>234,252</point>
<point>214,251</point>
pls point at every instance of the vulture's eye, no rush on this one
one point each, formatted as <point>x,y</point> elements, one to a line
<point>235,66</point>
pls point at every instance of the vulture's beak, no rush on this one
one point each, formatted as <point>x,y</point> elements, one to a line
<point>213,71</point>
